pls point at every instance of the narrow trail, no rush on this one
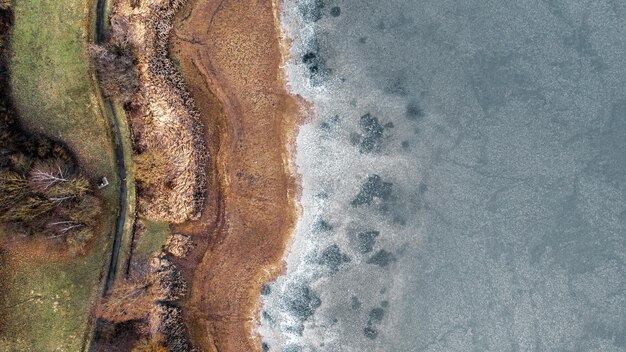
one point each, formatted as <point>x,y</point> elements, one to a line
<point>123,213</point>
<point>121,171</point>
<point>121,166</point>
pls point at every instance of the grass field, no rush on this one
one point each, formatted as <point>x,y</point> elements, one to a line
<point>47,302</point>
<point>152,239</point>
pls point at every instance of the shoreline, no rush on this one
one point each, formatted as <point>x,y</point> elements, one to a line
<point>234,69</point>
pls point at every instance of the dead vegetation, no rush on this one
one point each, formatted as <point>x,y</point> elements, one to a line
<point>147,345</point>
<point>179,245</point>
<point>134,298</point>
<point>116,71</point>
<point>148,299</point>
<point>168,136</point>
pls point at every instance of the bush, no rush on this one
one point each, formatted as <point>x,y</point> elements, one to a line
<point>116,72</point>
<point>146,345</point>
<point>150,168</point>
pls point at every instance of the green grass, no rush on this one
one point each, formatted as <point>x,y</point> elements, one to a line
<point>152,239</point>
<point>46,303</point>
<point>52,81</point>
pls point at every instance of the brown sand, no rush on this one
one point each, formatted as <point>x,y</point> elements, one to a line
<point>229,53</point>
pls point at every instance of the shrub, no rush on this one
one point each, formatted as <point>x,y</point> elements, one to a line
<point>146,345</point>
<point>130,299</point>
<point>150,168</point>
<point>116,72</point>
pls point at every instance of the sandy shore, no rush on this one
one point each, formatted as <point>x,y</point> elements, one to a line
<point>230,56</point>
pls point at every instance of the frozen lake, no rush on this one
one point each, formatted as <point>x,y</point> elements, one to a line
<point>464,178</point>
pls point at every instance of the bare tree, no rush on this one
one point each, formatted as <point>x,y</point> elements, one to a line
<point>47,174</point>
<point>45,198</point>
<point>62,228</point>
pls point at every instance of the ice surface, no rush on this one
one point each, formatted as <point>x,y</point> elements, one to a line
<point>464,179</point>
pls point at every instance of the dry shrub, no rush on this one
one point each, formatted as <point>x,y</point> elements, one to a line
<point>150,169</point>
<point>167,321</point>
<point>116,72</point>
<point>163,118</point>
<point>136,297</point>
<point>130,299</point>
<point>146,345</point>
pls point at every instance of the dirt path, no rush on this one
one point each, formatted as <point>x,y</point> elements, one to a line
<point>120,161</point>
<point>113,267</point>
<point>230,53</point>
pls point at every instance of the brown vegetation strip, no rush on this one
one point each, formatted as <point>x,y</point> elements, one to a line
<point>166,129</point>
<point>230,55</point>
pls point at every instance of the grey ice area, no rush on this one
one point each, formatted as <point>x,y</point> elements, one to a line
<point>496,167</point>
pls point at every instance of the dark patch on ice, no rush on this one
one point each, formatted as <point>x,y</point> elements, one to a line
<point>335,11</point>
<point>311,11</point>
<point>382,258</point>
<point>322,225</point>
<point>362,40</point>
<point>367,240</point>
<point>301,301</point>
<point>330,125</point>
<point>266,289</point>
<point>374,187</point>
<point>384,304</point>
<point>355,303</point>
<point>265,315</point>
<point>414,112</point>
<point>389,125</point>
<point>312,61</point>
<point>375,317</point>
<point>315,63</point>
<point>295,329</point>
<point>332,258</point>
<point>265,347</point>
<point>370,332</point>
<point>321,195</point>
<point>372,136</point>
<point>581,41</point>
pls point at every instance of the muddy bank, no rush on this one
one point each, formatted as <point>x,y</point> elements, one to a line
<point>230,55</point>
